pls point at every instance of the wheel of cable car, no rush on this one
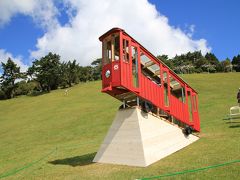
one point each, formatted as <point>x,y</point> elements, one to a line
<point>146,106</point>
<point>188,130</point>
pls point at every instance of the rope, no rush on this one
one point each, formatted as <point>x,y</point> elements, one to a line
<point>189,171</point>
<point>15,171</point>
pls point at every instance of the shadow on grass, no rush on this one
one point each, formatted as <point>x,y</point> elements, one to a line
<point>235,126</point>
<point>229,119</point>
<point>232,122</point>
<point>83,160</point>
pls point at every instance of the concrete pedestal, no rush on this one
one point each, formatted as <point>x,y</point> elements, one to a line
<point>139,139</point>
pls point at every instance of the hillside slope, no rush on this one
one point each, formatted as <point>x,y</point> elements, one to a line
<point>71,128</point>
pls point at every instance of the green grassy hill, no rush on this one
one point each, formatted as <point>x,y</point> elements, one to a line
<point>54,136</point>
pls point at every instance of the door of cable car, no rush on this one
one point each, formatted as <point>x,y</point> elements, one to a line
<point>111,58</point>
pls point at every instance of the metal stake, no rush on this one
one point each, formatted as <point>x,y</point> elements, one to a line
<point>137,101</point>
<point>124,104</point>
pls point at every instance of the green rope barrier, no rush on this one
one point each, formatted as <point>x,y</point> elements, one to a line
<point>14,171</point>
<point>189,171</point>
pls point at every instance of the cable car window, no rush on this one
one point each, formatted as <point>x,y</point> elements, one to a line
<point>190,106</point>
<point>150,69</point>
<point>125,50</point>
<point>166,96</point>
<point>111,49</point>
<point>183,95</point>
<point>107,52</point>
<point>194,103</point>
<point>134,66</point>
<point>116,48</point>
<point>177,90</point>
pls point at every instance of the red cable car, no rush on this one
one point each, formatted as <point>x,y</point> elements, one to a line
<point>133,75</point>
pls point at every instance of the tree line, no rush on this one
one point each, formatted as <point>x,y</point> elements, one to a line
<point>49,73</point>
<point>195,62</point>
<point>45,74</point>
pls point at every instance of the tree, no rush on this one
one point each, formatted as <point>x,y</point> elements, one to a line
<point>212,59</point>
<point>25,88</point>
<point>69,73</point>
<point>226,65</point>
<point>97,68</point>
<point>165,60</point>
<point>236,63</point>
<point>30,71</point>
<point>213,62</point>
<point>11,72</point>
<point>73,72</point>
<point>2,95</point>
<point>65,79</point>
<point>85,73</point>
<point>47,71</point>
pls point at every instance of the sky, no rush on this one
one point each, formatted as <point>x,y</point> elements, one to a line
<point>29,29</point>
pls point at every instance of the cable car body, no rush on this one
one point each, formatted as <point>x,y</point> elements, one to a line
<point>133,75</point>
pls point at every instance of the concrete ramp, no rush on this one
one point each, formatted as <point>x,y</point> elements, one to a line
<point>139,139</point>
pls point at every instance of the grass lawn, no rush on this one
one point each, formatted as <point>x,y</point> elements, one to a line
<point>72,128</point>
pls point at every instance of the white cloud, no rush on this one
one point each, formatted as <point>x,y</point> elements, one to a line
<point>78,39</point>
<point>10,8</point>
<point>190,30</point>
<point>18,60</point>
<point>43,12</point>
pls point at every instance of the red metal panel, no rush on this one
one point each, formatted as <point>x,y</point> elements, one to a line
<point>125,75</point>
<point>116,76</point>
<point>195,112</point>
<point>106,81</point>
<point>149,91</point>
<point>177,108</point>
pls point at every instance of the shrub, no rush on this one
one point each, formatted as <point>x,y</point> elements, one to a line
<point>2,95</point>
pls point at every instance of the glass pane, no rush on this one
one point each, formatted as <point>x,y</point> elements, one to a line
<point>150,69</point>
<point>134,67</point>
<point>109,52</point>
<point>125,50</point>
<point>183,95</point>
<point>116,48</point>
<point>166,99</point>
<point>190,106</point>
<point>194,103</point>
<point>176,89</point>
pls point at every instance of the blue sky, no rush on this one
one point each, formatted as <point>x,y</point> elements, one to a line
<point>218,21</point>
<point>20,35</point>
<point>204,25</point>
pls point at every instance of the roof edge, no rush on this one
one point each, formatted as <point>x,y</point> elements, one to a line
<point>115,29</point>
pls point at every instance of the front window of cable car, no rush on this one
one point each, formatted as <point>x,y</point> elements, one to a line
<point>111,49</point>
<point>116,48</point>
